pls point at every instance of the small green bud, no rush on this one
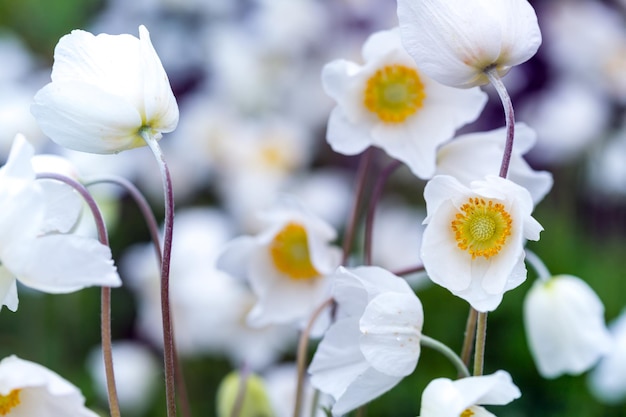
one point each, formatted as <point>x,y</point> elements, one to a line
<point>253,403</point>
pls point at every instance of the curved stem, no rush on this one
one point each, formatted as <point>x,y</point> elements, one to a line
<point>369,221</point>
<point>481,336</point>
<point>509,116</point>
<point>408,271</point>
<point>470,334</point>
<point>105,297</point>
<point>244,373</point>
<point>361,176</point>
<point>140,201</point>
<point>153,228</point>
<point>303,345</point>
<point>447,352</point>
<point>169,356</point>
<point>543,273</point>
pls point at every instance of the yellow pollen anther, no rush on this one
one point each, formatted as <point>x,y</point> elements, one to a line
<point>290,252</point>
<point>9,401</point>
<point>467,413</point>
<point>394,93</point>
<point>481,227</point>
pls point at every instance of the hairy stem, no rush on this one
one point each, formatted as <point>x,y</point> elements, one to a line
<point>105,297</point>
<point>470,334</point>
<point>509,116</point>
<point>169,354</point>
<point>371,212</point>
<point>481,336</point>
<point>303,345</point>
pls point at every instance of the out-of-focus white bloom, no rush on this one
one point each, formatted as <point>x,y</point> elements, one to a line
<point>397,236</point>
<point>443,397</point>
<point>607,380</point>
<point>287,264</point>
<point>375,341</point>
<point>208,306</point>
<point>475,155</point>
<point>34,246</point>
<point>389,103</point>
<point>586,40</point>
<point>28,389</point>
<point>455,41</point>
<point>564,322</point>
<point>606,167</point>
<point>137,375</point>
<point>105,91</point>
<point>568,117</point>
<point>474,240</point>
<point>15,116</point>
<point>281,390</point>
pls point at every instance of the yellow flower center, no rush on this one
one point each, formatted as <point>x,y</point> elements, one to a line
<point>394,93</point>
<point>467,413</point>
<point>9,401</point>
<point>290,252</point>
<point>482,227</point>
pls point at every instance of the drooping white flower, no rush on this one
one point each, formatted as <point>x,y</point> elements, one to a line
<point>474,240</point>
<point>375,341</point>
<point>565,327</point>
<point>34,246</point>
<point>455,41</point>
<point>443,397</point>
<point>390,103</point>
<point>475,155</point>
<point>105,91</point>
<point>28,389</point>
<point>287,264</point>
<point>607,380</point>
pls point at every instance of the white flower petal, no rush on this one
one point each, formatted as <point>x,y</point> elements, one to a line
<point>66,113</point>
<point>161,110</point>
<point>8,289</point>
<point>63,263</point>
<point>391,329</point>
<point>575,336</point>
<point>345,137</point>
<point>43,393</point>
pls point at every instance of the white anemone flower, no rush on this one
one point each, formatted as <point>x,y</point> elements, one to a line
<point>375,341</point>
<point>455,41</point>
<point>287,265</point>
<point>473,156</point>
<point>28,389</point>
<point>607,381</point>
<point>106,92</point>
<point>34,246</point>
<point>443,397</point>
<point>473,243</point>
<point>390,103</point>
<point>575,336</point>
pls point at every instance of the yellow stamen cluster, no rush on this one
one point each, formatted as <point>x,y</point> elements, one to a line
<point>467,413</point>
<point>290,252</point>
<point>482,227</point>
<point>9,401</point>
<point>394,93</point>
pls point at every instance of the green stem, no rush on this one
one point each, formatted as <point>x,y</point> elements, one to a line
<point>169,355</point>
<point>470,334</point>
<point>429,342</point>
<point>481,337</point>
<point>543,273</point>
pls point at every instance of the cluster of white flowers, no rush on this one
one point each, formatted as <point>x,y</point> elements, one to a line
<point>251,277</point>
